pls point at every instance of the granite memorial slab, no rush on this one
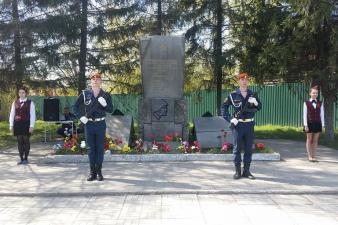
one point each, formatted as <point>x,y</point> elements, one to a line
<point>120,127</point>
<point>210,131</point>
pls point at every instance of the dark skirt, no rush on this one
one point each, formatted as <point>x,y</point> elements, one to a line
<point>315,127</point>
<point>21,128</point>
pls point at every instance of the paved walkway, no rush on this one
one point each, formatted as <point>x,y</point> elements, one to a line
<point>291,191</point>
<point>294,174</point>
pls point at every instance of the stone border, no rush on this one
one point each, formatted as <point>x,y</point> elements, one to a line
<point>157,157</point>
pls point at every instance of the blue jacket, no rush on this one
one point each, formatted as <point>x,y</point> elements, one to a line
<point>89,105</point>
<point>236,100</point>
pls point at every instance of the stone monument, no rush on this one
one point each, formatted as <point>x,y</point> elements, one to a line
<point>162,109</point>
<point>120,127</point>
<point>212,132</point>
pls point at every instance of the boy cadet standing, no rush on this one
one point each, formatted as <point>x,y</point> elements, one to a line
<point>245,104</point>
<point>95,103</point>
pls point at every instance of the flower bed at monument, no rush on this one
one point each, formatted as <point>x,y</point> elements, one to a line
<point>173,145</point>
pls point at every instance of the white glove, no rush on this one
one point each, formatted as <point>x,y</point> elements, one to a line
<point>253,101</point>
<point>102,101</point>
<point>84,119</point>
<point>234,121</point>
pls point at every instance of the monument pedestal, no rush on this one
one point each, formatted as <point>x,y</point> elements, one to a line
<point>162,110</point>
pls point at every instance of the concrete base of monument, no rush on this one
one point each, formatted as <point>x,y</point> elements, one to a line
<point>157,157</point>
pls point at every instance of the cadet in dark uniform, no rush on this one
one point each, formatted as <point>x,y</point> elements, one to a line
<point>95,103</point>
<point>245,104</point>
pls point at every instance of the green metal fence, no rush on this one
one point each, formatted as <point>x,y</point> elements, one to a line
<point>282,104</point>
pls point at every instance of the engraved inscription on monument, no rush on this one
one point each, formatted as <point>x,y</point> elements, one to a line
<point>161,77</point>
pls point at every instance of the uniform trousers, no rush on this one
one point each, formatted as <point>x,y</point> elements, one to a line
<point>243,136</point>
<point>95,135</point>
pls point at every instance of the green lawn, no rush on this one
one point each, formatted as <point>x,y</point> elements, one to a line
<point>291,133</point>
<point>7,139</point>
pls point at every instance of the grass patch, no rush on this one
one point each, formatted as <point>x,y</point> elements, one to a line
<point>8,140</point>
<point>291,133</point>
<point>279,132</point>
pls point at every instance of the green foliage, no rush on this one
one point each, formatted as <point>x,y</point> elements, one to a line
<point>8,140</point>
<point>291,41</point>
<point>292,133</point>
<point>274,132</point>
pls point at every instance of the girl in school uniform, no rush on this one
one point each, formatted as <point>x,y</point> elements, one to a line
<point>21,123</point>
<point>313,117</point>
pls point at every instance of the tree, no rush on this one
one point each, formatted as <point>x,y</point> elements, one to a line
<point>291,41</point>
<point>14,50</point>
<point>24,52</point>
<point>91,35</point>
<point>204,21</point>
<point>317,50</point>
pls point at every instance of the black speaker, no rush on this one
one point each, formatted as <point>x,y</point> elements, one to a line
<point>51,109</point>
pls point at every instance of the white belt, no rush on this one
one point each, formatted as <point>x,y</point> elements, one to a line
<point>246,120</point>
<point>97,119</point>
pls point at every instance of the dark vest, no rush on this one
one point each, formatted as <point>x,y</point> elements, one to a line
<point>313,114</point>
<point>22,113</point>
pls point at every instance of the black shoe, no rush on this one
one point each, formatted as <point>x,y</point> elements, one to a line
<point>91,177</point>
<point>247,174</point>
<point>237,175</point>
<point>100,177</point>
<point>20,162</point>
<point>25,161</point>
<point>99,173</point>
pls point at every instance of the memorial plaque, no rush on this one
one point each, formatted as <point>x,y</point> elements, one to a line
<point>162,110</point>
<point>210,131</point>
<point>119,127</point>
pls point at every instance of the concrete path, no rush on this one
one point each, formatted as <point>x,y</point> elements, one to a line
<point>291,191</point>
<point>294,174</point>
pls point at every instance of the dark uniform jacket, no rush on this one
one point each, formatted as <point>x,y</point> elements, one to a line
<point>236,100</point>
<point>88,105</point>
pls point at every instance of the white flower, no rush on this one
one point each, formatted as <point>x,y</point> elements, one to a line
<point>107,152</point>
<point>83,144</point>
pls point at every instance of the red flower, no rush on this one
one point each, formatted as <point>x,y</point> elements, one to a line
<point>260,145</point>
<point>168,138</point>
<point>151,136</point>
<point>166,148</point>
<point>225,147</point>
<point>198,146</point>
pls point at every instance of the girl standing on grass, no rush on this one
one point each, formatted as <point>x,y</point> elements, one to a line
<point>313,117</point>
